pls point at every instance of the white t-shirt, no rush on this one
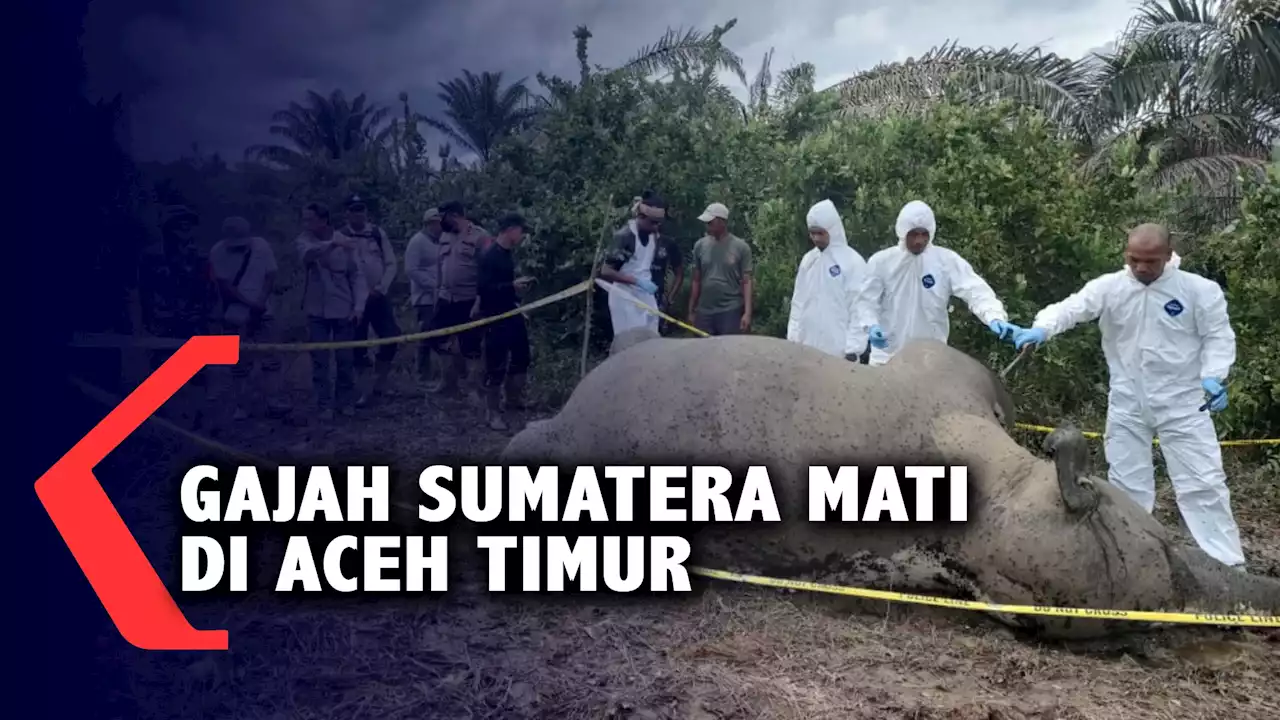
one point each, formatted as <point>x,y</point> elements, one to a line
<point>225,260</point>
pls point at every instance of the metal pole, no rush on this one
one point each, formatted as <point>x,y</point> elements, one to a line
<point>590,294</point>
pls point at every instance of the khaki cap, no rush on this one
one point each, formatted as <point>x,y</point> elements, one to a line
<point>235,227</point>
<point>714,210</point>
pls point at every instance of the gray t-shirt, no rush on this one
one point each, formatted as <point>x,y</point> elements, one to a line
<point>422,264</point>
<point>722,265</point>
<point>226,259</point>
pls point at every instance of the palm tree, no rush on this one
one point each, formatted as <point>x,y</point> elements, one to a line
<point>686,50</point>
<point>480,111</point>
<point>1196,84</point>
<point>688,56</point>
<point>1056,85</point>
<point>758,91</point>
<point>324,128</point>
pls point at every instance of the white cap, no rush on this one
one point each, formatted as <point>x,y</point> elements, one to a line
<point>714,210</point>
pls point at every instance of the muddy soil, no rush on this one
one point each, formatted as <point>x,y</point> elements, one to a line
<point>728,652</point>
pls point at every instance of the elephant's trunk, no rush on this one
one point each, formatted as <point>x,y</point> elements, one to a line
<point>1201,582</point>
<point>1218,588</point>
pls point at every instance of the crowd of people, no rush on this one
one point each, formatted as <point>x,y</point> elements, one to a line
<point>1166,333</point>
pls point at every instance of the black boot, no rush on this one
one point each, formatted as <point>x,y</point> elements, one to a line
<point>493,409</point>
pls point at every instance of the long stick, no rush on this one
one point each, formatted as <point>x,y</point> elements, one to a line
<point>590,294</point>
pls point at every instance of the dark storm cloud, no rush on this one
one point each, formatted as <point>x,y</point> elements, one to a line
<point>213,72</point>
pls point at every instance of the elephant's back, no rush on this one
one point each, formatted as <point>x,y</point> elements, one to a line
<point>724,400</point>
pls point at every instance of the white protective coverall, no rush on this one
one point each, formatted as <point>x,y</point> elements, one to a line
<point>907,295</point>
<point>1160,341</point>
<point>824,302</point>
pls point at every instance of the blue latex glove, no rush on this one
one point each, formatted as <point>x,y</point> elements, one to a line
<point>1030,335</point>
<point>1217,394</point>
<point>878,340</point>
<point>647,286</point>
<point>1002,329</point>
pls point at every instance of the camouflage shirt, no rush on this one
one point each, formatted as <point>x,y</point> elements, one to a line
<point>175,293</point>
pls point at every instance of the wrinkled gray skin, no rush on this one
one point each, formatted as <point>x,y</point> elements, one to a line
<point>1040,531</point>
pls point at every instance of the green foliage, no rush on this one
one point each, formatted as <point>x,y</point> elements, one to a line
<point>1248,255</point>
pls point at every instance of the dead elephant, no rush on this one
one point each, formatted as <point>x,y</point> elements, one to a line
<point>1040,531</point>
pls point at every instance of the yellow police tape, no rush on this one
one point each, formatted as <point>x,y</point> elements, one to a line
<point>1223,443</point>
<point>619,292</point>
<point>111,401</point>
<point>1042,610</point>
<point>111,341</point>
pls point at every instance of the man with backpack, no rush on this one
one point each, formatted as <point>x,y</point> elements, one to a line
<point>377,261</point>
<point>243,268</point>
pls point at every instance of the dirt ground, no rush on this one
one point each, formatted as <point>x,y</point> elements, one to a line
<point>729,652</point>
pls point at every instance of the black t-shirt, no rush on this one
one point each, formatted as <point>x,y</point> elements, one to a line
<point>494,279</point>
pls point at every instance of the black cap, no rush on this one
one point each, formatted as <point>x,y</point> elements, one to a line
<point>356,201</point>
<point>453,207</point>
<point>511,220</point>
<point>177,213</point>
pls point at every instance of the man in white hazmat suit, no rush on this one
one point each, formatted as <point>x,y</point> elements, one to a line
<point>824,302</point>
<point>1168,341</point>
<point>909,286</point>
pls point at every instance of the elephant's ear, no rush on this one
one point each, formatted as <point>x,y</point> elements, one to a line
<point>1000,414</point>
<point>1002,405</point>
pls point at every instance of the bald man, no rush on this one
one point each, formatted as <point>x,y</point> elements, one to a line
<point>1168,343</point>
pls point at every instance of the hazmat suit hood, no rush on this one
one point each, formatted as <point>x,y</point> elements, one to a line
<point>915,214</point>
<point>825,216</point>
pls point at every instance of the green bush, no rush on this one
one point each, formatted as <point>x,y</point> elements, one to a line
<point>1248,255</point>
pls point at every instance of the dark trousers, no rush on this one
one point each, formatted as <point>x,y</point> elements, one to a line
<point>331,330</point>
<point>728,322</point>
<point>379,315</point>
<point>506,350</point>
<point>177,329</point>
<point>426,320</point>
<point>450,314</point>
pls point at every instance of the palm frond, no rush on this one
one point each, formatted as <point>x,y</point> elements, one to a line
<point>682,47</point>
<point>1056,85</point>
<point>758,92</point>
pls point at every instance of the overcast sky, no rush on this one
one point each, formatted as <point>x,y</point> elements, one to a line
<point>213,71</point>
